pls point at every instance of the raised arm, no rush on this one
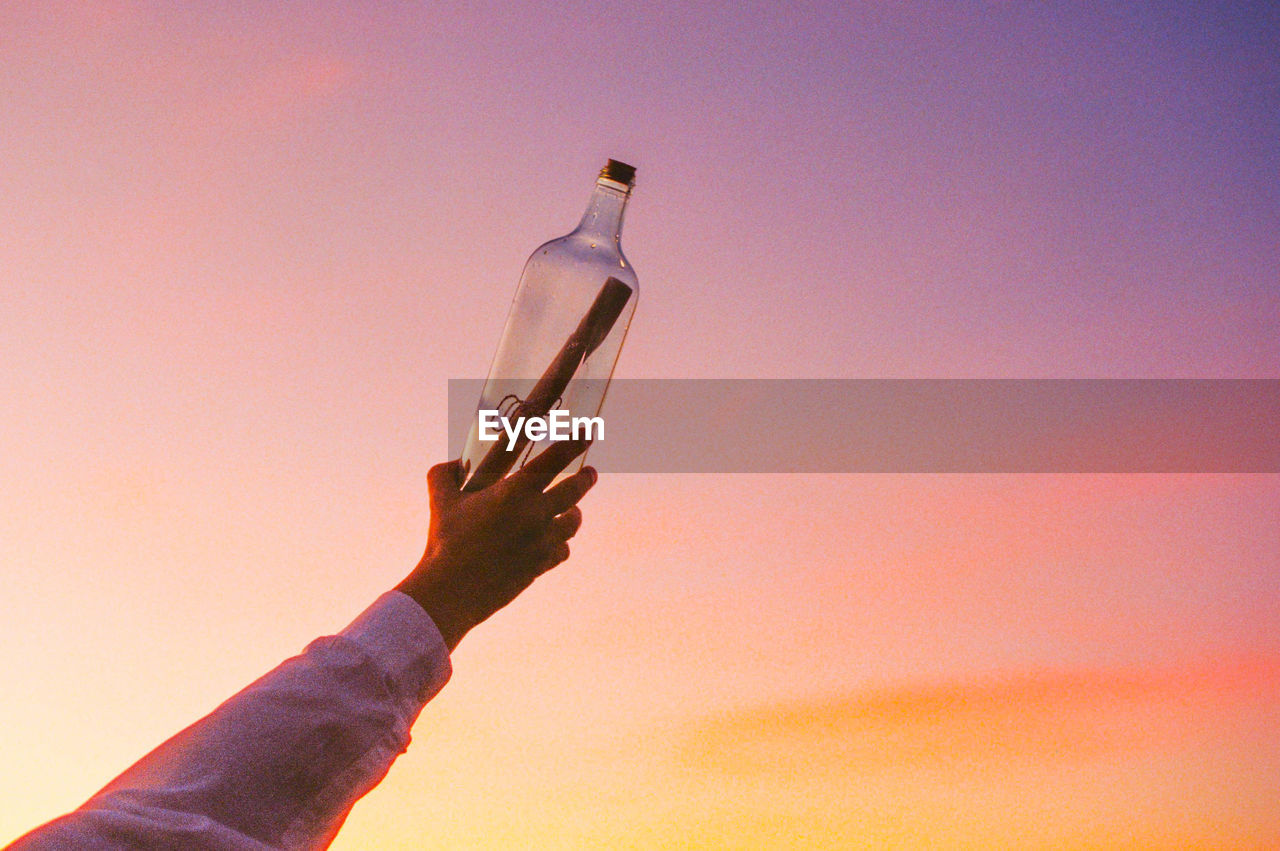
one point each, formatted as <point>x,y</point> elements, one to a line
<point>280,764</point>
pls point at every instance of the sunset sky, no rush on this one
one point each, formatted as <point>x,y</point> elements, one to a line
<point>246,245</point>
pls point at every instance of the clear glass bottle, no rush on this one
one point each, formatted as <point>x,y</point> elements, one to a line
<point>564,331</point>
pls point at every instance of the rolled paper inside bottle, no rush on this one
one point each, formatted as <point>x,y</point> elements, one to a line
<point>586,338</point>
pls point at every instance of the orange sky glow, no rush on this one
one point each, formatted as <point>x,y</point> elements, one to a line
<point>245,249</point>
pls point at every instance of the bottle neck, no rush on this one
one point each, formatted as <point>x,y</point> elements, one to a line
<point>603,218</point>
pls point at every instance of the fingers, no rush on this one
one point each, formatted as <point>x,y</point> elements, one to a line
<point>539,472</point>
<point>566,494</point>
<point>558,554</point>
<point>444,481</point>
<point>556,540</point>
<point>566,525</point>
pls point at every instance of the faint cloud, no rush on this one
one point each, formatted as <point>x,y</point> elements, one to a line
<point>1049,718</point>
<point>1142,758</point>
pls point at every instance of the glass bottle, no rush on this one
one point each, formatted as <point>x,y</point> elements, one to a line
<point>563,333</point>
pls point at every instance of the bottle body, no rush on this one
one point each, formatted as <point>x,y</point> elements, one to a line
<point>563,334</point>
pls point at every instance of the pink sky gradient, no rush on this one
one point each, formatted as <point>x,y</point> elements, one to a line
<point>244,250</point>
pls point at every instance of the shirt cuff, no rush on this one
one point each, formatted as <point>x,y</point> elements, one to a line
<point>406,644</point>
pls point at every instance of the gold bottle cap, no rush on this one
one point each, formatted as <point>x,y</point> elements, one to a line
<point>619,172</point>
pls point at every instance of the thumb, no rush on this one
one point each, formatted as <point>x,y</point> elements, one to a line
<point>444,482</point>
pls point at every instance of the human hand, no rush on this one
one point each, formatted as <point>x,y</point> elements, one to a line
<point>485,547</point>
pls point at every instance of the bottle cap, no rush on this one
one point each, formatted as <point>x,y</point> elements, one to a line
<point>619,172</point>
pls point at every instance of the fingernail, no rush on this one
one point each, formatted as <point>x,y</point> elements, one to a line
<point>594,474</point>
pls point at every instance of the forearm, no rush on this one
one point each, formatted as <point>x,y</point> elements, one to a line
<point>280,764</point>
<point>453,613</point>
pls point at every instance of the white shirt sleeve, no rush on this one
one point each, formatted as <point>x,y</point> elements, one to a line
<point>280,764</point>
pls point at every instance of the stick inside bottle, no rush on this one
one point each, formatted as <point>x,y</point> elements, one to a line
<point>585,339</point>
